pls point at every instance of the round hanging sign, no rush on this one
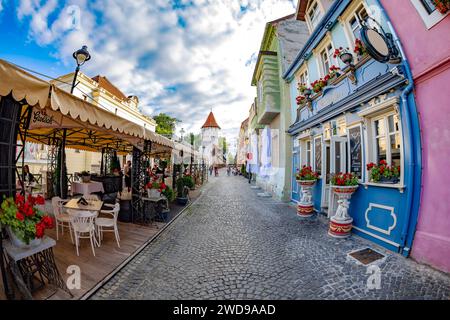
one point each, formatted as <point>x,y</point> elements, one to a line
<point>376,44</point>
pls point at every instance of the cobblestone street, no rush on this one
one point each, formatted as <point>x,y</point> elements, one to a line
<point>231,244</point>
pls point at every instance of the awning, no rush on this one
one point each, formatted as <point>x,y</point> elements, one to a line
<point>88,126</point>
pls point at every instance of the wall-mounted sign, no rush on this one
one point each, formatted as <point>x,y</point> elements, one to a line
<point>355,151</point>
<point>379,44</point>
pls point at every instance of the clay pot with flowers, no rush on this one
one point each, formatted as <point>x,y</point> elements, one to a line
<point>383,173</point>
<point>306,178</point>
<point>334,72</point>
<point>155,187</point>
<point>345,56</point>
<point>318,85</point>
<point>343,185</point>
<point>24,221</point>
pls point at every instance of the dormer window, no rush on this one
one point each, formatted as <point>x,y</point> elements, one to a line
<point>314,15</point>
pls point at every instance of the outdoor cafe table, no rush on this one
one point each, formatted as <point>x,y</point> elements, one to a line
<point>93,205</point>
<point>87,188</point>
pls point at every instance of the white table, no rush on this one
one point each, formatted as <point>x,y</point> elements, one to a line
<point>87,188</point>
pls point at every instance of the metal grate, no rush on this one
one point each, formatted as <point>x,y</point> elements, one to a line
<point>366,256</point>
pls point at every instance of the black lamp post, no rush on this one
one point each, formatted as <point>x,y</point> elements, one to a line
<point>81,56</point>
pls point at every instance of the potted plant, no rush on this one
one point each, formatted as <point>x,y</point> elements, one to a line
<point>182,192</point>
<point>345,56</point>
<point>383,173</point>
<point>306,178</point>
<point>301,100</point>
<point>318,85</point>
<point>360,50</point>
<point>85,176</point>
<point>155,188</point>
<point>334,72</point>
<point>343,185</point>
<point>169,193</point>
<point>303,89</point>
<point>442,5</point>
<point>189,181</point>
<point>24,221</point>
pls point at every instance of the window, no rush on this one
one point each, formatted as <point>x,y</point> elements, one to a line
<point>314,15</point>
<point>428,13</point>
<point>308,153</point>
<point>387,139</point>
<point>318,155</point>
<point>428,5</point>
<point>327,58</point>
<point>304,78</point>
<point>359,15</point>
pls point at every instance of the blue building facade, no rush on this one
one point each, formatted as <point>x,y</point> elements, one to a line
<point>364,114</point>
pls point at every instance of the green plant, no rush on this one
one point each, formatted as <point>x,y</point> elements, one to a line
<point>85,173</point>
<point>169,194</point>
<point>181,193</point>
<point>189,181</point>
<point>24,218</point>
<point>344,179</point>
<point>382,170</point>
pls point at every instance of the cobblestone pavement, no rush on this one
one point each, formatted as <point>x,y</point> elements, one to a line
<point>231,244</point>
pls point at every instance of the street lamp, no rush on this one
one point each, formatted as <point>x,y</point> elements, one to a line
<point>81,56</point>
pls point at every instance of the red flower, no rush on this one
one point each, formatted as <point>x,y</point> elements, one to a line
<point>40,200</point>
<point>20,199</point>
<point>383,162</point>
<point>20,216</point>
<point>39,230</point>
<point>47,222</point>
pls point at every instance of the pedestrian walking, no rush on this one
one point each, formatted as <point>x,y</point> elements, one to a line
<point>210,170</point>
<point>127,172</point>
<point>216,171</point>
<point>229,171</point>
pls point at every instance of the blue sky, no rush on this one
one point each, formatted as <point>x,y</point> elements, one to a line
<point>182,57</point>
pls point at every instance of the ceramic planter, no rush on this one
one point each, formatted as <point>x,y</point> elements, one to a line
<point>305,208</point>
<point>182,201</point>
<point>86,179</point>
<point>153,193</point>
<point>19,243</point>
<point>341,222</point>
<point>346,58</point>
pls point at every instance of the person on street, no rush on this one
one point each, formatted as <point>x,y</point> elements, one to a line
<point>216,171</point>
<point>229,171</point>
<point>210,170</point>
<point>127,172</point>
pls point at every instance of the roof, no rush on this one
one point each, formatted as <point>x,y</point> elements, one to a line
<point>244,123</point>
<point>301,9</point>
<point>210,122</point>
<point>104,83</point>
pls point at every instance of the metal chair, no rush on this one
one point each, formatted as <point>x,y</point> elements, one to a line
<point>83,227</point>
<point>109,223</point>
<point>61,219</point>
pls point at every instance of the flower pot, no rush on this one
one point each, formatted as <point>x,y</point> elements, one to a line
<point>393,180</point>
<point>305,207</point>
<point>182,201</point>
<point>346,58</point>
<point>19,243</point>
<point>153,193</point>
<point>341,223</point>
<point>86,179</point>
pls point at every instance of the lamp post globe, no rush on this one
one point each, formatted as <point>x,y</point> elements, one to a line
<point>81,56</point>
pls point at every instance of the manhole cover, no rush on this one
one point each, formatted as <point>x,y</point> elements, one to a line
<point>366,256</point>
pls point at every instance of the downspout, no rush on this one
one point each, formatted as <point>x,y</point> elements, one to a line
<point>414,172</point>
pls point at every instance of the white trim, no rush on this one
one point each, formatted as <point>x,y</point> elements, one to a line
<point>380,206</point>
<point>429,20</point>
<point>395,244</point>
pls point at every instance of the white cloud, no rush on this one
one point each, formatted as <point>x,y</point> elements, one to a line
<point>142,48</point>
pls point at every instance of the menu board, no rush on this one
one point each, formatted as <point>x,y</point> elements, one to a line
<point>355,151</point>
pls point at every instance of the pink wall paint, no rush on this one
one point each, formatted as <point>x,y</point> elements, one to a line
<point>428,52</point>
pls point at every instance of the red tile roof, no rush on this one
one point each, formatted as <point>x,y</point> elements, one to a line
<point>104,83</point>
<point>211,122</point>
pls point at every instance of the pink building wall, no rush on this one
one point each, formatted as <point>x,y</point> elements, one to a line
<point>428,52</point>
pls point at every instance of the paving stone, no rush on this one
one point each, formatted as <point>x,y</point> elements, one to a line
<point>232,244</point>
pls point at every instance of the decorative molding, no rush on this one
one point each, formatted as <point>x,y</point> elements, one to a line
<point>387,208</point>
<point>395,244</point>
<point>378,104</point>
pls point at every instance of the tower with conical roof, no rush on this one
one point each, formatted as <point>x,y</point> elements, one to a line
<point>210,140</point>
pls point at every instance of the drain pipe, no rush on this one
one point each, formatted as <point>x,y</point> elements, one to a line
<point>413,180</point>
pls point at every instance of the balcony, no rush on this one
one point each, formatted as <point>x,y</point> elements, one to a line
<point>268,106</point>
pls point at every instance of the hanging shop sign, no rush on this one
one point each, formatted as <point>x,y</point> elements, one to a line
<point>379,44</point>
